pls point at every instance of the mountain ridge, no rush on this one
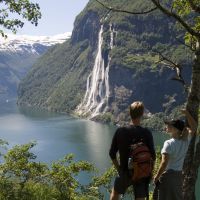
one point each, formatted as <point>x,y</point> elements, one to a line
<point>17,54</point>
<point>15,43</point>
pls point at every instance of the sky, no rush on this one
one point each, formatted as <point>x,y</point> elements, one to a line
<point>57,17</point>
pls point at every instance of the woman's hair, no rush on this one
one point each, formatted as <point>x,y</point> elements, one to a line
<point>179,125</point>
<point>183,134</point>
<point>136,109</point>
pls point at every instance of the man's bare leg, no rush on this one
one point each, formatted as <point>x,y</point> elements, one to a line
<point>114,195</point>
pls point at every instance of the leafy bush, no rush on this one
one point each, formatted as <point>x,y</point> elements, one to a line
<point>22,178</point>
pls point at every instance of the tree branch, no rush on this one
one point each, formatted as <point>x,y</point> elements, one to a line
<point>181,42</point>
<point>193,6</point>
<point>170,62</point>
<point>126,11</point>
<point>175,16</point>
<point>176,67</point>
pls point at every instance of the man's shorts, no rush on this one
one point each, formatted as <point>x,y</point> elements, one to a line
<point>123,181</point>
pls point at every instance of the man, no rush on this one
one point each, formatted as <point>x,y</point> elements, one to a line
<point>122,140</point>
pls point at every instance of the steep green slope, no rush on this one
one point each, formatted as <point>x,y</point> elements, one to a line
<point>58,80</point>
<point>13,66</point>
<point>54,80</point>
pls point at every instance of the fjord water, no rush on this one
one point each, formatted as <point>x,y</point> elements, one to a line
<point>58,134</point>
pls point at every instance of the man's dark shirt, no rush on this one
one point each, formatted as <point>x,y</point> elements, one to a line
<point>124,137</point>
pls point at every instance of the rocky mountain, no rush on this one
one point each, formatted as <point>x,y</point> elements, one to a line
<point>17,55</point>
<point>108,63</point>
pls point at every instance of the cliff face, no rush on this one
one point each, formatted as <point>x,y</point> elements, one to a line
<point>107,64</point>
<point>86,28</point>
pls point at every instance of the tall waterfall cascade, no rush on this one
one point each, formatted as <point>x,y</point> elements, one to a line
<point>97,89</point>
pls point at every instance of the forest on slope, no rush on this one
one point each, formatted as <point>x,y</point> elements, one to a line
<point>57,81</point>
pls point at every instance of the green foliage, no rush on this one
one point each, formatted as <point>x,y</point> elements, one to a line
<point>22,178</point>
<point>101,183</point>
<point>155,121</point>
<point>139,62</point>
<point>24,8</point>
<point>156,167</point>
<point>188,13</point>
<point>105,118</point>
<point>3,144</point>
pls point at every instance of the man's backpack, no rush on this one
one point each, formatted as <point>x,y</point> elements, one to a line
<point>140,161</point>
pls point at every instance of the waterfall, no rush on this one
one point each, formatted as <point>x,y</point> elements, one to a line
<point>107,88</point>
<point>97,88</point>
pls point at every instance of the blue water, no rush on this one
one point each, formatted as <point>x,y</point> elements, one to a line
<point>57,135</point>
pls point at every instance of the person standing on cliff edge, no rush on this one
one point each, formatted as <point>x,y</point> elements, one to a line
<point>121,143</point>
<point>169,176</point>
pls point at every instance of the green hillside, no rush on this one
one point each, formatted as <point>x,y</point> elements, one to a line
<point>13,66</point>
<point>58,80</point>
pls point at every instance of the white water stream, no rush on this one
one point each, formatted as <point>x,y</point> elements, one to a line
<point>97,91</point>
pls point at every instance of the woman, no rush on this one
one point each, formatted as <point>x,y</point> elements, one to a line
<point>169,174</point>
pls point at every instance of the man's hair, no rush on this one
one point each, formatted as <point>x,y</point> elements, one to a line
<point>136,109</point>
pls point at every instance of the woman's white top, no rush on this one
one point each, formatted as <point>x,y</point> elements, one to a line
<point>177,150</point>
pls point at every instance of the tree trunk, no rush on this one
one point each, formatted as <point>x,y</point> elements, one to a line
<point>192,159</point>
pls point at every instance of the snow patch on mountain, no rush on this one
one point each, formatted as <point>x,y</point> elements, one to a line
<point>26,43</point>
